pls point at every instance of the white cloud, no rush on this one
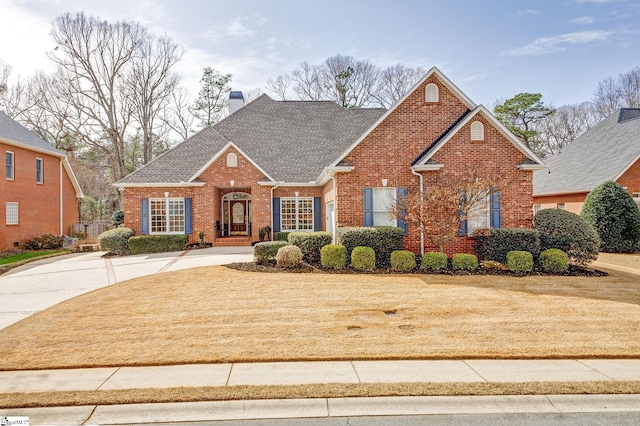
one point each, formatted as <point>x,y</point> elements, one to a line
<point>527,12</point>
<point>236,27</point>
<point>558,43</point>
<point>583,20</point>
<point>598,1</point>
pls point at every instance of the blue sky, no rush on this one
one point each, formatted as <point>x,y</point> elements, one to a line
<point>490,49</point>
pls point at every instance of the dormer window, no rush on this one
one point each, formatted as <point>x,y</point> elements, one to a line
<point>232,160</point>
<point>477,131</point>
<point>432,94</point>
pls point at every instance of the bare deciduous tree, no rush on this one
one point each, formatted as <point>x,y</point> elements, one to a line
<point>279,86</point>
<point>564,126</point>
<point>614,93</point>
<point>394,82</point>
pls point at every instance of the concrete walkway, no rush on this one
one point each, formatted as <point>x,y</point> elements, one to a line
<point>44,283</point>
<point>257,374</point>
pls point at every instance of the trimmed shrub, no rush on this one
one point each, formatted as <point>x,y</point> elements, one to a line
<point>116,240</point>
<point>520,261</point>
<point>157,243</point>
<point>382,239</point>
<point>568,232</point>
<point>554,261</point>
<point>363,258</point>
<point>289,257</point>
<point>501,241</point>
<point>403,260</point>
<point>40,242</point>
<point>310,244</point>
<point>615,217</point>
<point>282,236</point>
<point>464,261</point>
<point>434,260</point>
<point>265,253</point>
<point>333,256</point>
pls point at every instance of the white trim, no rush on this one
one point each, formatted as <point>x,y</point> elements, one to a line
<point>222,151</point>
<point>443,79</point>
<point>60,167</point>
<point>32,148</point>
<point>517,143</point>
<point>72,177</point>
<point>158,185</point>
<point>533,167</point>
<point>551,194</point>
<point>427,167</point>
<point>329,172</point>
<point>274,183</point>
<point>627,167</point>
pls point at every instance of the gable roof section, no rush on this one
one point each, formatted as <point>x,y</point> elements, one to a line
<point>602,153</point>
<point>290,141</point>
<point>16,134</point>
<point>532,161</point>
<point>433,71</point>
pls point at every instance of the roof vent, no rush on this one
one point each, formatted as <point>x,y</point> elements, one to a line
<point>627,114</point>
<point>236,101</point>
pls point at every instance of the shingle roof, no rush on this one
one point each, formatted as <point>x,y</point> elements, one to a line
<point>292,141</point>
<point>600,154</point>
<point>12,131</point>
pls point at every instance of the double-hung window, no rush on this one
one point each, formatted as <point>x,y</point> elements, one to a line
<point>383,201</point>
<point>10,165</point>
<point>11,210</point>
<point>296,214</point>
<point>39,170</point>
<point>167,215</point>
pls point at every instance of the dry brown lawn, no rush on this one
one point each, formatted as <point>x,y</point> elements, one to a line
<point>215,314</point>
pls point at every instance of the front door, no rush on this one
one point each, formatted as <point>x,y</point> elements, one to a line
<point>238,216</point>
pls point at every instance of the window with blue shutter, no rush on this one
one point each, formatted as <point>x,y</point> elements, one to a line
<point>144,216</point>
<point>275,211</point>
<point>402,223</point>
<point>368,206</point>
<point>188,216</point>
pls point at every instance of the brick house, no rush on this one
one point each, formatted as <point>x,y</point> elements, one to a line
<point>608,151</point>
<point>302,165</point>
<point>40,193</point>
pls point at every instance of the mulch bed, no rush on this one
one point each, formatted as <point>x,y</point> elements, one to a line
<point>574,271</point>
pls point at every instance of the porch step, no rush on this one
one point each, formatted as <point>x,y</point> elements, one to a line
<point>232,241</point>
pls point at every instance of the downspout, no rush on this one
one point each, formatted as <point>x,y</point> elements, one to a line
<point>335,208</point>
<point>271,207</point>
<point>421,201</point>
<point>61,206</point>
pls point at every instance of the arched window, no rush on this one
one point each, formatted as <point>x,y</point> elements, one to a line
<point>232,160</point>
<point>432,93</point>
<point>477,131</point>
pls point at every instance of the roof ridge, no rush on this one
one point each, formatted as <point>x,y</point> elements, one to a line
<point>439,138</point>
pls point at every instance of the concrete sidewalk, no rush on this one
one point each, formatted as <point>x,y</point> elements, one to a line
<point>44,283</point>
<point>257,374</point>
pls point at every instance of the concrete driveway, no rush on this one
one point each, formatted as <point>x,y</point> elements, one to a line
<point>41,284</point>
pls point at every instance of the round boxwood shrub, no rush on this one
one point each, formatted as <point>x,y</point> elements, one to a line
<point>265,253</point>
<point>310,244</point>
<point>363,258</point>
<point>520,261</point>
<point>289,257</point>
<point>615,217</point>
<point>464,261</point>
<point>434,260</point>
<point>116,240</point>
<point>333,256</point>
<point>568,232</point>
<point>403,260</point>
<point>554,261</point>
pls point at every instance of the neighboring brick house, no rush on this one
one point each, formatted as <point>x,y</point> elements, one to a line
<point>608,151</point>
<point>39,194</point>
<point>303,165</point>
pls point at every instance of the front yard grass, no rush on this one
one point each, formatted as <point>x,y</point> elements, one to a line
<point>19,257</point>
<point>215,314</point>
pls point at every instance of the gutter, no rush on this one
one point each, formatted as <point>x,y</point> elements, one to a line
<point>61,202</point>
<point>421,201</point>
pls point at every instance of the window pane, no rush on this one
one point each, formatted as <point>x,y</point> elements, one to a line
<point>38,170</point>
<point>158,215</point>
<point>478,217</point>
<point>9,165</point>
<point>383,199</point>
<point>176,215</point>
<point>288,214</point>
<point>305,214</point>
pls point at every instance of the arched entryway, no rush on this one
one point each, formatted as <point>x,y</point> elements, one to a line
<point>236,214</point>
